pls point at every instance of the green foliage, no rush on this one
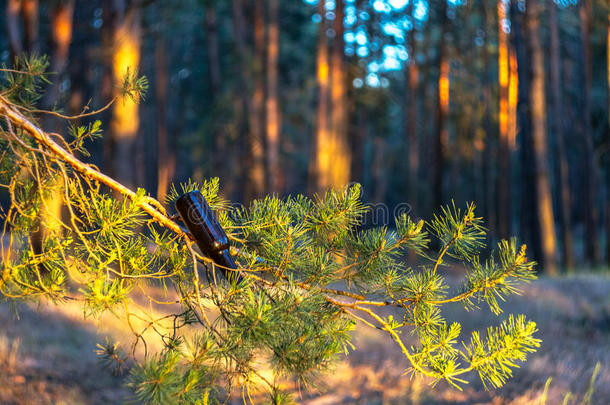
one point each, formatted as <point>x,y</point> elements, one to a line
<point>210,189</point>
<point>23,82</point>
<point>91,131</point>
<point>165,379</point>
<point>309,268</point>
<point>495,357</point>
<point>133,85</point>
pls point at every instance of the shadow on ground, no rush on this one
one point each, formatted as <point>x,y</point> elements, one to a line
<point>49,358</point>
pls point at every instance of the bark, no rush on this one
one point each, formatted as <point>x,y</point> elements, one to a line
<point>211,37</point>
<point>608,131</point>
<point>214,85</point>
<point>513,97</point>
<point>379,166</point>
<point>322,131</point>
<point>13,8</point>
<point>125,121</point>
<point>166,156</point>
<point>412,86</point>
<point>528,222</point>
<point>589,162</point>
<point>243,104</point>
<point>503,151</point>
<point>441,136</point>
<point>332,157</point>
<point>558,131</point>
<point>607,205</point>
<point>537,108</point>
<point>61,35</point>
<point>488,145</point>
<point>360,135</point>
<point>256,120</point>
<point>29,12</point>
<point>272,107</point>
<point>337,170</point>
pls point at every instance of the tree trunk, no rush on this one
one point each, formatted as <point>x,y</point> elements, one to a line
<point>412,86</point>
<point>13,8</point>
<point>211,37</point>
<point>537,107</point>
<point>319,158</point>
<point>513,97</point>
<point>256,121</point>
<point>441,136</point>
<point>488,145</point>
<point>331,154</point>
<point>589,162</point>
<point>608,130</point>
<point>528,223</point>
<point>557,123</point>
<point>125,120</point>
<point>379,166</point>
<point>166,157</point>
<point>503,156</point>
<point>29,12</point>
<point>337,172</point>
<point>61,34</point>
<point>360,135</point>
<point>272,107</point>
<point>244,103</point>
<point>214,85</point>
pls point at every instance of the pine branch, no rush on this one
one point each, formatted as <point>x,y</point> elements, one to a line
<point>308,272</point>
<point>148,204</point>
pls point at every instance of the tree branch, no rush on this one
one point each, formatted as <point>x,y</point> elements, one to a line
<point>150,205</point>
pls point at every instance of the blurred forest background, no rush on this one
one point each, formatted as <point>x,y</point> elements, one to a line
<point>504,103</point>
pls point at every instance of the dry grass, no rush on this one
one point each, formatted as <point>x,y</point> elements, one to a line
<point>47,356</point>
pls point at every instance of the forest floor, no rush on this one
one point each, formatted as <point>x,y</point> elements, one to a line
<point>47,356</point>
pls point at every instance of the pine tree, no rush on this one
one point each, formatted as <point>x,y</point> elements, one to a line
<point>307,272</point>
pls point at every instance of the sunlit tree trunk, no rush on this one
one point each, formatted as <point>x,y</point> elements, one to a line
<point>214,86</point>
<point>513,97</point>
<point>589,162</point>
<point>559,134</point>
<point>272,107</point>
<point>441,136</point>
<point>13,9</point>
<point>320,150</point>
<point>488,144</point>
<point>412,86</point>
<point>61,34</point>
<point>256,120</point>
<point>29,12</point>
<point>166,157</point>
<point>243,103</point>
<point>336,173</point>
<point>537,107</point>
<point>504,153</point>
<point>125,119</point>
<point>61,37</point>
